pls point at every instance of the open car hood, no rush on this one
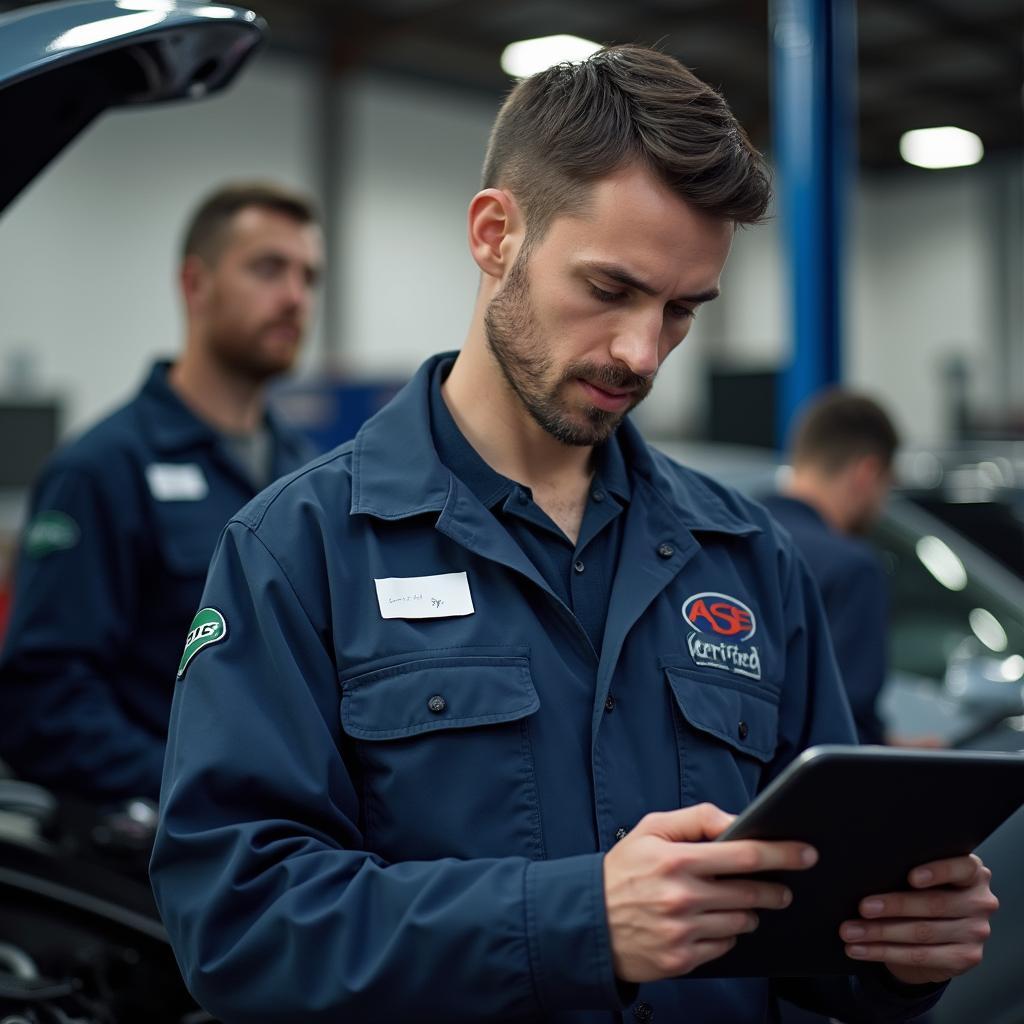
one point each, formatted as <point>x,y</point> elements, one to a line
<point>62,64</point>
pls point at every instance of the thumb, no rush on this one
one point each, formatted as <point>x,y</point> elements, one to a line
<point>689,824</point>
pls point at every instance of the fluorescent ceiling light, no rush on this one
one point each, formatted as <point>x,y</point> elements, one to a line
<point>528,56</point>
<point>936,148</point>
<point>938,558</point>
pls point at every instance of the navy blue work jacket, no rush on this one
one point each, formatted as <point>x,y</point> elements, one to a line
<point>370,818</point>
<point>856,598</point>
<point>122,525</point>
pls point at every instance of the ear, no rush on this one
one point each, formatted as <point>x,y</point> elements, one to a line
<point>192,278</point>
<point>495,227</point>
<point>867,472</point>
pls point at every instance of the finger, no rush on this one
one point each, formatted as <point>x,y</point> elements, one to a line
<point>978,901</point>
<point>746,857</point>
<point>708,949</point>
<point>719,894</point>
<point>723,924</point>
<point>948,960</point>
<point>962,872</point>
<point>689,824</point>
<point>919,933</point>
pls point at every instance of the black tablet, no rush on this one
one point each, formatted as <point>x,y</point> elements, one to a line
<point>873,814</point>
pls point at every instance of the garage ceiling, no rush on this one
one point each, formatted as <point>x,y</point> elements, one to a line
<point>921,62</point>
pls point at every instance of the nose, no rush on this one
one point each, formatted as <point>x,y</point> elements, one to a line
<point>637,345</point>
<point>297,290</point>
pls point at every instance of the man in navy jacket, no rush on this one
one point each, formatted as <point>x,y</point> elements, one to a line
<point>842,456</point>
<point>123,521</point>
<point>452,718</point>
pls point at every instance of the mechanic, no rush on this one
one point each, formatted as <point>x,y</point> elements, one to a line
<point>468,686</point>
<point>124,520</point>
<point>841,455</point>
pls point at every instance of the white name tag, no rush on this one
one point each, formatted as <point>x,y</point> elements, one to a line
<point>424,597</point>
<point>176,481</point>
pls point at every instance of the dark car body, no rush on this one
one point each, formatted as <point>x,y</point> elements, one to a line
<point>80,938</point>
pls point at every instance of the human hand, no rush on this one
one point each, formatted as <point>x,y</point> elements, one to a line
<point>932,934</point>
<point>669,910</point>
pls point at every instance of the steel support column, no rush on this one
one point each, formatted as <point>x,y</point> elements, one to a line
<point>814,61</point>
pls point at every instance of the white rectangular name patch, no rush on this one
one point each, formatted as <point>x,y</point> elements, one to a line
<point>176,481</point>
<point>424,597</point>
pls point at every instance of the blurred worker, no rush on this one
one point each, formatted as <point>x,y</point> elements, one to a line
<point>440,681</point>
<point>842,455</point>
<point>123,521</point>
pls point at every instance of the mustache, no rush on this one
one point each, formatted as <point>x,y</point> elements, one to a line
<point>608,376</point>
<point>288,320</point>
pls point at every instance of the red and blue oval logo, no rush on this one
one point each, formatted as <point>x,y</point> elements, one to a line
<point>720,615</point>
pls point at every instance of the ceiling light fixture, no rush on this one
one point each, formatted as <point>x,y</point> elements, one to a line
<point>938,148</point>
<point>528,56</point>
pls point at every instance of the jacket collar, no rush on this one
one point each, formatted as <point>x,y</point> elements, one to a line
<point>798,507</point>
<point>173,427</point>
<point>698,503</point>
<point>396,471</point>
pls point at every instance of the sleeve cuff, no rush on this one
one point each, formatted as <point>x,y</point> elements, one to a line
<point>881,985</point>
<point>567,934</point>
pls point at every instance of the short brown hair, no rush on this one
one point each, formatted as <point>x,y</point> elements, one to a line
<point>838,427</point>
<point>205,232</point>
<point>561,130</point>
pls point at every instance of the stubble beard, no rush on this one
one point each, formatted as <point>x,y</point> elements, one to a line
<point>243,357</point>
<point>527,366</point>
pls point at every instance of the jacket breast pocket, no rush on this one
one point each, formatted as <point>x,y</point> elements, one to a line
<point>727,731</point>
<point>445,751</point>
<point>186,534</point>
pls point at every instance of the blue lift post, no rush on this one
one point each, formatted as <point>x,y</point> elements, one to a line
<point>814,68</point>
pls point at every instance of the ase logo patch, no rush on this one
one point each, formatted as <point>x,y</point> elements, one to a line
<point>720,628</point>
<point>208,627</point>
<point>720,615</point>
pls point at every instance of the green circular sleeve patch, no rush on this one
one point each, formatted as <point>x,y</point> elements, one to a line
<point>51,531</point>
<point>208,627</point>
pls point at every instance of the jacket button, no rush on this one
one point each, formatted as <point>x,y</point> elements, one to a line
<point>609,703</point>
<point>743,730</point>
<point>620,833</point>
<point>664,551</point>
<point>578,565</point>
<point>437,704</point>
<point>643,1012</point>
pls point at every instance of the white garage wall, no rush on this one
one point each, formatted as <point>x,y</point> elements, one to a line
<point>88,252</point>
<point>410,164</point>
<point>923,292</point>
<point>922,288</point>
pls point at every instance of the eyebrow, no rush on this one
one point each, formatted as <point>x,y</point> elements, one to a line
<point>623,276</point>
